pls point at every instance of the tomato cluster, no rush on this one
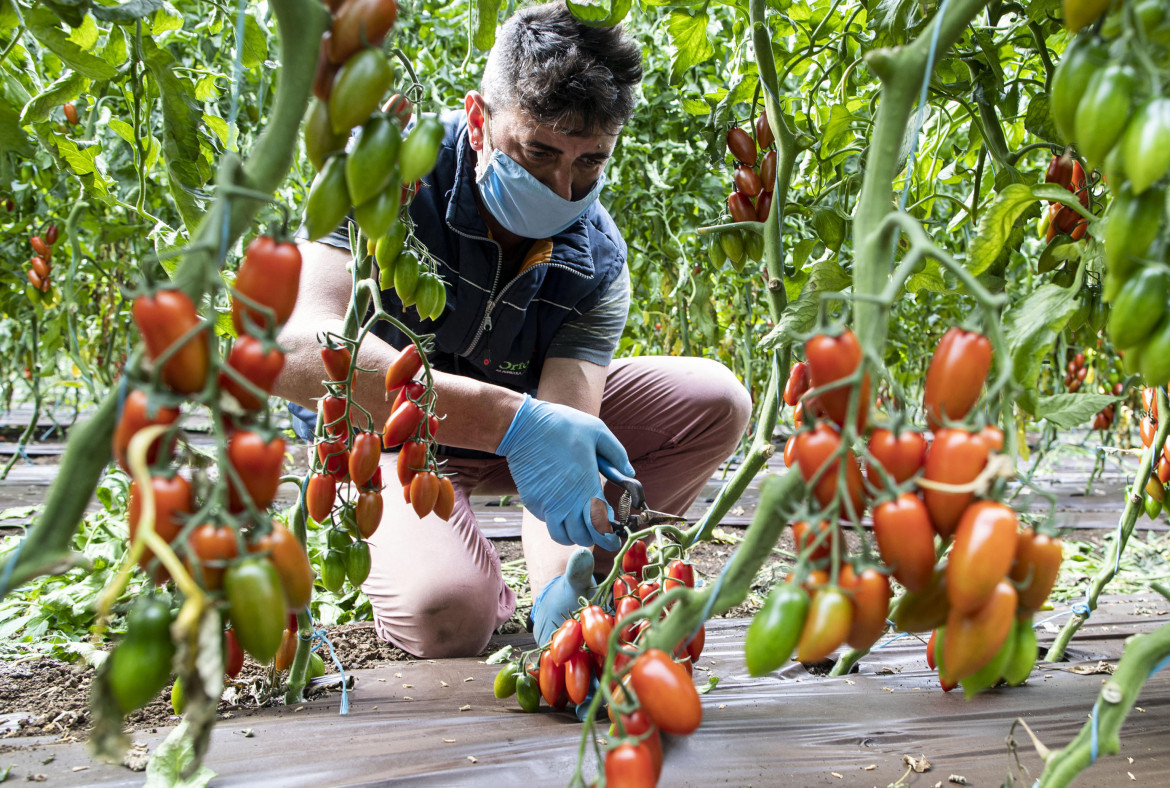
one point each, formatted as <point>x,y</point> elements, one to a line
<point>40,266</point>
<point>228,544</point>
<point>923,496</point>
<point>1066,171</point>
<point>1157,492</point>
<point>1120,121</point>
<point>754,178</point>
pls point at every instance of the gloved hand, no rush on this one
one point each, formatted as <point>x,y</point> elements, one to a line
<point>552,452</point>
<point>558,600</point>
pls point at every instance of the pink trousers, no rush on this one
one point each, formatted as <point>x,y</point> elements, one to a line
<point>436,587</point>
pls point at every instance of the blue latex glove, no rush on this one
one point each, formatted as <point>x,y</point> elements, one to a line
<point>552,452</point>
<point>558,600</point>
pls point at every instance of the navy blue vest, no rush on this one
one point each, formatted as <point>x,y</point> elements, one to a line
<point>494,330</point>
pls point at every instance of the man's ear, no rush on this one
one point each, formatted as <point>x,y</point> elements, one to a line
<point>476,115</point>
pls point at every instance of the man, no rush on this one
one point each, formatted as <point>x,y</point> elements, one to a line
<point>537,296</point>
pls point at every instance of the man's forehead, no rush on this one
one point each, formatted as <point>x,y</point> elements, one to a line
<point>525,126</point>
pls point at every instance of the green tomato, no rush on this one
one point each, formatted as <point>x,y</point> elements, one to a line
<point>357,563</point>
<point>1139,307</point>
<point>328,198</point>
<point>1104,110</point>
<point>386,253</point>
<point>505,684</point>
<point>358,88</point>
<point>420,150</point>
<point>754,246</point>
<point>379,213</point>
<point>1145,148</point>
<point>774,632</point>
<point>1130,229</point>
<point>320,139</point>
<point>1024,655</point>
<point>733,247</point>
<point>256,606</point>
<point>1081,61</point>
<point>370,168</point>
<point>406,272</point>
<point>1152,506</point>
<point>337,539</point>
<point>333,571</point>
<point>716,254</point>
<point>527,693</point>
<point>178,697</point>
<point>988,675</point>
<point>140,665</point>
<point>316,666</point>
<point>430,296</point>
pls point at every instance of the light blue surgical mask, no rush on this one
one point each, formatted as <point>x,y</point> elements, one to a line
<point>524,205</point>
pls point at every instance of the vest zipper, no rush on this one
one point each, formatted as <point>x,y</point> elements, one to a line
<point>487,315</point>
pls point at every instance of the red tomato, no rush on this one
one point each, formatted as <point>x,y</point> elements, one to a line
<point>445,500</point>
<point>831,359</point>
<point>134,418</point>
<point>412,458</point>
<point>258,465</point>
<point>404,368</point>
<point>985,544</point>
<point>173,503</point>
<point>813,452</point>
<point>1149,429</point>
<point>625,606</point>
<point>638,723</point>
<point>798,415</point>
<point>901,456</point>
<point>375,482</point>
<point>930,663</point>
<point>233,661</point>
<point>551,679</point>
<point>764,136</point>
<point>955,457</point>
<point>399,109</point>
<point>360,23</point>
<point>364,456</point>
<point>741,207</point>
<point>790,451</point>
<point>747,181</point>
<point>817,545</point>
<point>566,641</point>
<point>163,318</point>
<point>320,496</point>
<point>956,376</point>
<point>768,172</point>
<point>905,539</point>
<point>259,368</point>
<point>213,546</point>
<point>648,591</point>
<point>871,605</point>
<point>596,626</point>
<point>42,268</point>
<point>1037,564</point>
<point>36,280</point>
<point>635,559</point>
<point>971,641</point>
<point>763,205</point>
<point>292,565</point>
<point>40,247</point>
<point>424,491</point>
<point>799,382</point>
<point>630,766</point>
<point>578,673</point>
<point>993,436</point>
<point>337,362</point>
<point>679,573</point>
<point>624,586</point>
<point>368,513</point>
<point>742,146</point>
<point>1150,401</point>
<point>333,412</point>
<point>666,693</point>
<point>829,620</point>
<point>402,424</point>
<point>334,458</point>
<point>270,275</point>
<point>695,646</point>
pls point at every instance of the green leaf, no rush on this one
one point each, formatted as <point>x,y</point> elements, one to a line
<point>798,318</point>
<point>995,225</point>
<point>696,106</point>
<point>499,657</point>
<point>712,683</point>
<point>13,98</point>
<point>205,89</point>
<point>485,14</point>
<point>688,35</point>
<point>255,47</point>
<point>1071,410</point>
<point>219,127</point>
<point>166,19</point>
<point>46,28</point>
<point>71,12</point>
<point>85,35</point>
<point>830,226</point>
<point>929,278</point>
<point>1031,329</point>
<point>64,89</point>
<point>600,13</point>
<point>1038,119</point>
<point>127,12</point>
<point>836,130</point>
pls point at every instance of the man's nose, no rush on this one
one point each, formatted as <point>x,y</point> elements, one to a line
<point>560,181</point>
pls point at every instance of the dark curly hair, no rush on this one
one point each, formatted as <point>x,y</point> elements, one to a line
<point>548,65</point>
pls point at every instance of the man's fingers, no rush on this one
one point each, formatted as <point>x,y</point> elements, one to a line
<point>611,449</point>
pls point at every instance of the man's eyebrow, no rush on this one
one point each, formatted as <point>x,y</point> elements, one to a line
<point>601,155</point>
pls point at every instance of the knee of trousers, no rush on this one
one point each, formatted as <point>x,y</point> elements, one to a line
<point>447,616</point>
<point>724,399</point>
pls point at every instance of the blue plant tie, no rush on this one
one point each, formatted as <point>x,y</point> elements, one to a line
<point>1082,608</point>
<point>1093,734</point>
<point>921,116</point>
<point>897,636</point>
<point>11,566</point>
<point>320,636</point>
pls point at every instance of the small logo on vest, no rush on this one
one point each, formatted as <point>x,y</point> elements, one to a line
<point>513,367</point>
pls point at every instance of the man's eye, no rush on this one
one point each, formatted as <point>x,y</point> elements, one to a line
<point>540,155</point>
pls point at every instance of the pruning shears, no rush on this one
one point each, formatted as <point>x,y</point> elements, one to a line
<point>633,500</point>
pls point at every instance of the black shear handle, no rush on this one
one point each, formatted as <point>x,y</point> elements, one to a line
<point>627,483</point>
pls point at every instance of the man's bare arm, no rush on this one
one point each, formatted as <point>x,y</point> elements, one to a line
<point>474,415</point>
